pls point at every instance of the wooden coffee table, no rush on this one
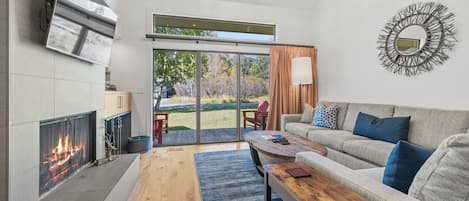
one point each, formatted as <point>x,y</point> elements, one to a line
<point>260,147</point>
<point>317,187</point>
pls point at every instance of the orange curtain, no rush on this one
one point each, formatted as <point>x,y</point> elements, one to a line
<point>283,95</point>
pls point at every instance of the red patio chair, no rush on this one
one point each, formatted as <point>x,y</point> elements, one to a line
<point>158,130</point>
<point>260,116</point>
<point>165,118</point>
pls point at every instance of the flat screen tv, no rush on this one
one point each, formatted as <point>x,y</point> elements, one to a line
<point>83,29</point>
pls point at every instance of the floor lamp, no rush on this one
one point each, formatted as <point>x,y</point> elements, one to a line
<point>301,74</point>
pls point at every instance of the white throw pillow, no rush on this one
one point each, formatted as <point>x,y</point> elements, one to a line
<point>308,113</point>
<point>445,175</point>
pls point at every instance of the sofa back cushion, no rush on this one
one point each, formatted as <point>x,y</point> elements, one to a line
<point>341,112</point>
<point>429,127</point>
<point>381,111</point>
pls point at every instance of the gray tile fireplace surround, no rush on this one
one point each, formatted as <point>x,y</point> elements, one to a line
<point>40,85</point>
<point>113,181</point>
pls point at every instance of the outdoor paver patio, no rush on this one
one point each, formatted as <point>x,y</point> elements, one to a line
<point>206,136</point>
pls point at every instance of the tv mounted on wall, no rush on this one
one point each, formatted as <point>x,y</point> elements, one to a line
<point>82,28</point>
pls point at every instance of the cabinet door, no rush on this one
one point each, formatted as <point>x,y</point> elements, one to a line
<point>120,103</point>
<point>126,103</point>
<point>117,102</point>
<point>126,132</point>
<point>111,101</point>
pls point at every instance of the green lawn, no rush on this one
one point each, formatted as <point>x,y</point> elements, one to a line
<point>215,100</point>
<point>185,120</point>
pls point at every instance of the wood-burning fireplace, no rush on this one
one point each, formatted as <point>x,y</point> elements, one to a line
<point>66,145</point>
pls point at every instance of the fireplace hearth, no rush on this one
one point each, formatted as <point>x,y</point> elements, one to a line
<point>66,145</point>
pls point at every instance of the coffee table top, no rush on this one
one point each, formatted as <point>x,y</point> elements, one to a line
<point>317,187</point>
<point>259,141</point>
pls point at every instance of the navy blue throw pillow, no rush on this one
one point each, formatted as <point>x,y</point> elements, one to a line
<point>386,129</point>
<point>403,164</point>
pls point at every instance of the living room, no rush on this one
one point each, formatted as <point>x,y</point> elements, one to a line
<point>233,100</point>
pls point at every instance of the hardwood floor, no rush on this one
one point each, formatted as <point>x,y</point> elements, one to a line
<point>169,174</point>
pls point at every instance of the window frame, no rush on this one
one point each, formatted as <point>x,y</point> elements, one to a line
<point>274,26</point>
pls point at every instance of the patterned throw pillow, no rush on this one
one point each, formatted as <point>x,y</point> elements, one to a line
<point>325,116</point>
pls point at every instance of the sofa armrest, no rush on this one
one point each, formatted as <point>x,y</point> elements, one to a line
<point>287,118</point>
<point>365,186</point>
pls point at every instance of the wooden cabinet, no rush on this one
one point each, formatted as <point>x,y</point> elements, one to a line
<point>117,102</point>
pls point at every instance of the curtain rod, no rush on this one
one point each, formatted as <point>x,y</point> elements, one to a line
<point>197,39</point>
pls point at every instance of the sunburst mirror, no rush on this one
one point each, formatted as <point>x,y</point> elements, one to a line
<point>417,38</point>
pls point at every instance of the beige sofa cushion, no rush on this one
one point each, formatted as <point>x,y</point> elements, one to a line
<point>334,139</point>
<point>445,175</point>
<point>381,111</point>
<point>374,173</point>
<point>373,151</point>
<point>429,127</point>
<point>350,161</point>
<point>301,129</point>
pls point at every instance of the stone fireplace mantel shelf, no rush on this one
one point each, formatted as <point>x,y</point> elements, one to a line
<point>113,181</point>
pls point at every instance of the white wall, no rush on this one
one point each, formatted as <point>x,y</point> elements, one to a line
<point>131,65</point>
<point>43,85</point>
<point>346,34</point>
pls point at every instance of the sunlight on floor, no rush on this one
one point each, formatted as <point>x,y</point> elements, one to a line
<point>169,174</point>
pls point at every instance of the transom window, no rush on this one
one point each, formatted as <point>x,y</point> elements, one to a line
<point>164,24</point>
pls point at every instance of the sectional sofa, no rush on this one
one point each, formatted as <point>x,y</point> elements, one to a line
<point>357,161</point>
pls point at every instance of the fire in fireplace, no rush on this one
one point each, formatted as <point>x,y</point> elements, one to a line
<point>66,145</point>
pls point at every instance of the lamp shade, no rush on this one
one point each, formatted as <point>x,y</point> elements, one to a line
<point>301,71</point>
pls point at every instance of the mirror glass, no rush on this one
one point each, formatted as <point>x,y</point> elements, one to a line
<point>411,40</point>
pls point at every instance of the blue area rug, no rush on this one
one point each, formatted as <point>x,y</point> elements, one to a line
<point>229,175</point>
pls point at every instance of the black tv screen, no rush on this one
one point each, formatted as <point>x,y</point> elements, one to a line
<point>83,29</point>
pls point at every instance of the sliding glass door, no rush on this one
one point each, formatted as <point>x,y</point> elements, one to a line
<point>218,97</point>
<point>254,86</point>
<point>175,97</point>
<point>202,96</point>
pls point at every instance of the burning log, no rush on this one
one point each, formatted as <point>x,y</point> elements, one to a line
<point>63,159</point>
